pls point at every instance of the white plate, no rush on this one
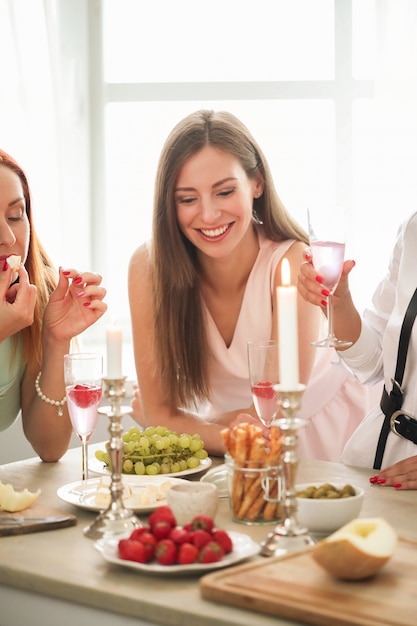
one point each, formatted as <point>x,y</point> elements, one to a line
<point>83,493</point>
<point>218,476</point>
<point>243,548</point>
<point>98,467</point>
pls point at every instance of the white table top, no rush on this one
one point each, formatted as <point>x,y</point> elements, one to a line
<point>51,567</point>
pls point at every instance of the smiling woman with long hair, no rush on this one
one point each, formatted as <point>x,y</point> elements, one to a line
<point>206,283</point>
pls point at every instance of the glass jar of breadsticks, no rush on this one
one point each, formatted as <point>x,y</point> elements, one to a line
<point>254,474</point>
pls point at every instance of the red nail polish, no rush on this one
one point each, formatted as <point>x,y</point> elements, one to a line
<point>323,303</point>
<point>373,479</point>
<point>397,485</point>
<point>319,279</point>
<point>86,303</point>
<point>66,272</point>
<point>381,481</point>
<point>5,265</point>
<point>325,292</point>
<point>77,280</point>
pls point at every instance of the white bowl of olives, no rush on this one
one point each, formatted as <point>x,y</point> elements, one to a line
<point>325,507</point>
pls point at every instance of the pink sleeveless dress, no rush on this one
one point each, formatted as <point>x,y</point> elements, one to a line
<point>333,404</point>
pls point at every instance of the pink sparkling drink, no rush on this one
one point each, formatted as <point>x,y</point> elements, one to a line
<point>83,400</point>
<point>265,399</point>
<point>328,259</point>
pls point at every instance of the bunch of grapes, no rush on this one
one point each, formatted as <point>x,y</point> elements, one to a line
<point>158,450</point>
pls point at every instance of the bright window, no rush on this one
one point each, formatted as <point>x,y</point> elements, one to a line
<point>284,69</point>
<point>91,89</point>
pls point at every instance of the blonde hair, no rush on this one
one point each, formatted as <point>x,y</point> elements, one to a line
<point>182,349</point>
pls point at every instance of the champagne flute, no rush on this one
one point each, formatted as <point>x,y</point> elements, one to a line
<point>263,376</point>
<point>83,373</point>
<point>328,253</point>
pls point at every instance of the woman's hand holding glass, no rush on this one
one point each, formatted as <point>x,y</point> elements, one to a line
<point>327,246</point>
<point>310,282</point>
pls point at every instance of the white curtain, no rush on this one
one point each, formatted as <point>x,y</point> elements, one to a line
<point>397,49</point>
<point>44,117</point>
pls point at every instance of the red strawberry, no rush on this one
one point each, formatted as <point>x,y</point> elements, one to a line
<point>201,537</point>
<point>149,541</point>
<point>223,539</point>
<point>211,553</point>
<point>202,521</point>
<point>166,552</point>
<point>161,529</point>
<point>263,389</point>
<point>187,553</point>
<point>180,535</point>
<point>162,513</point>
<point>84,395</point>
<point>137,532</point>
<point>132,550</point>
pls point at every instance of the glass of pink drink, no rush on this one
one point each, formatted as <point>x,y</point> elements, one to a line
<point>263,376</point>
<point>328,254</point>
<point>83,373</point>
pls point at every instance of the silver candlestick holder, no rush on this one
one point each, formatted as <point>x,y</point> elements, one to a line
<point>116,520</point>
<point>288,535</point>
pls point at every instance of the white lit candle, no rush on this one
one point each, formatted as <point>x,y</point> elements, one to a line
<point>114,351</point>
<point>287,330</point>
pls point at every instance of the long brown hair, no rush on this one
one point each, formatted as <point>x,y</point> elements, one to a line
<point>182,348</point>
<point>40,269</point>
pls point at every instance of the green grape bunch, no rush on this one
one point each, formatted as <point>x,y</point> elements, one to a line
<point>158,450</point>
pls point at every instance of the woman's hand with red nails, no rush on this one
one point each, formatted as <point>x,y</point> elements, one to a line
<point>310,283</point>
<point>66,314</point>
<point>401,475</point>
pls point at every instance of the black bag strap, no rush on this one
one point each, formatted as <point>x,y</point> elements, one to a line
<point>392,402</point>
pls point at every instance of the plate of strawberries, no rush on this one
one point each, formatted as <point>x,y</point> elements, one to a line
<point>163,547</point>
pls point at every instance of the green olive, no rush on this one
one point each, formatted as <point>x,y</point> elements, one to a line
<point>326,492</point>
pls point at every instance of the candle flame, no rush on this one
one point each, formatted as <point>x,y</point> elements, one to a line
<point>285,273</point>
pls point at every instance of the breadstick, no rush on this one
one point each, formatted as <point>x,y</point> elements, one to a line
<point>271,508</point>
<point>225,435</point>
<point>256,459</point>
<point>242,444</point>
<point>256,508</point>
<point>250,496</point>
<point>240,434</point>
<point>275,446</point>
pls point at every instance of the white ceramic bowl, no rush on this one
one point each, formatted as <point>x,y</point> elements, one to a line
<point>188,499</point>
<point>324,516</point>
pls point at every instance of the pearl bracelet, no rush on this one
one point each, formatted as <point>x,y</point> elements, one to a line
<point>58,403</point>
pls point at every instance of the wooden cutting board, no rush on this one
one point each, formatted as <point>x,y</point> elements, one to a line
<point>295,587</point>
<point>35,520</point>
